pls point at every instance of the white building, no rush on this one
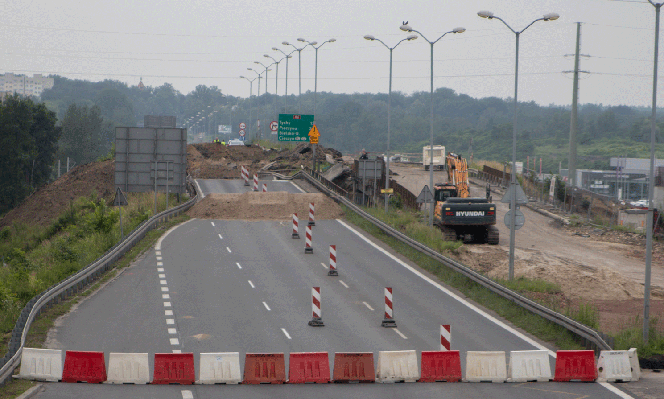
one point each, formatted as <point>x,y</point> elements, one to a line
<point>24,85</point>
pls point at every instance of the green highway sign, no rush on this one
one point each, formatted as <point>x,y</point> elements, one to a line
<point>295,127</point>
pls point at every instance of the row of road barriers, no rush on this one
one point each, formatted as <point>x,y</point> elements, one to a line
<point>314,367</point>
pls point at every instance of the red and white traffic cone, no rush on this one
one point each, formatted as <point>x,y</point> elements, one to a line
<point>296,233</point>
<point>307,241</point>
<point>316,320</point>
<point>255,182</point>
<point>311,214</point>
<point>445,337</point>
<point>388,320</point>
<point>333,261</point>
<point>245,176</point>
<point>265,187</point>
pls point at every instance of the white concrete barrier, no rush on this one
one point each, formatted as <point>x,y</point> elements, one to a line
<point>128,368</point>
<point>614,366</point>
<point>486,366</point>
<point>397,366</point>
<point>634,362</point>
<point>220,368</point>
<point>526,366</point>
<point>41,364</point>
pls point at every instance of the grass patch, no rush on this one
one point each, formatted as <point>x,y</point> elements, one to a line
<point>14,388</point>
<point>632,337</point>
<point>522,284</point>
<point>530,322</point>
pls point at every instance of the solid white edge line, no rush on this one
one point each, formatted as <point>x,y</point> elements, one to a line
<point>199,188</point>
<point>228,249</point>
<point>187,395</point>
<point>286,333</point>
<point>298,187</point>
<point>344,284</point>
<point>615,390</point>
<point>369,306</point>
<point>266,307</point>
<point>450,293</point>
<point>400,334</point>
<point>251,284</point>
<point>238,265</point>
<point>158,245</point>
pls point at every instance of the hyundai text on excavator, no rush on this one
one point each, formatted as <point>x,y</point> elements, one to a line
<point>459,216</point>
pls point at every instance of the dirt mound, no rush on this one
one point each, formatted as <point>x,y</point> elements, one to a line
<point>216,161</point>
<point>264,206</point>
<point>50,201</point>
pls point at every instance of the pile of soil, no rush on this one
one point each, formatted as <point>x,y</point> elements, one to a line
<point>216,161</point>
<point>264,206</point>
<point>50,201</point>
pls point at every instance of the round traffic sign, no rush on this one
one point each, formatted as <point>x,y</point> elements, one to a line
<point>519,221</point>
<point>241,132</point>
<point>243,125</point>
<point>274,126</point>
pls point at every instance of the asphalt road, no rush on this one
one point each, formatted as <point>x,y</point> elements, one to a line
<point>224,286</point>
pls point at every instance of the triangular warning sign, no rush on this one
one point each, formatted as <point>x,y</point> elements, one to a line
<point>521,198</point>
<point>425,196</point>
<point>313,133</point>
<point>120,199</point>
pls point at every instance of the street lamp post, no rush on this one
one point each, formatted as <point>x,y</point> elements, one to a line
<point>513,183</point>
<point>651,182</point>
<point>276,82</point>
<point>313,44</point>
<point>299,67</point>
<point>389,111</point>
<point>407,28</point>
<point>258,110</point>
<point>266,69</point>
<point>251,84</point>
<point>287,57</point>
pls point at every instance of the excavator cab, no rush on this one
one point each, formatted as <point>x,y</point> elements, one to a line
<point>444,191</point>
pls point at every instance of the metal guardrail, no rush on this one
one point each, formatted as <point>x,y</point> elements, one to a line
<point>76,283</point>
<point>591,337</point>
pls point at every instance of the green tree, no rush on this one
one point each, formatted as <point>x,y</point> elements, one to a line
<point>83,134</point>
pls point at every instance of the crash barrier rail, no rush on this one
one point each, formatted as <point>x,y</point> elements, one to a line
<point>589,337</point>
<point>77,282</point>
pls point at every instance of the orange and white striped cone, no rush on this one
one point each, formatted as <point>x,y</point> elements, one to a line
<point>307,241</point>
<point>255,182</point>
<point>333,261</point>
<point>311,214</point>
<point>388,320</point>
<point>296,232</point>
<point>445,337</point>
<point>316,320</point>
<point>265,187</point>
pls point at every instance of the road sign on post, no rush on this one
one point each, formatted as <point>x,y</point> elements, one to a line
<point>425,195</point>
<point>243,125</point>
<point>241,132</point>
<point>521,197</point>
<point>274,126</point>
<point>120,200</point>
<point>294,127</point>
<point>519,220</point>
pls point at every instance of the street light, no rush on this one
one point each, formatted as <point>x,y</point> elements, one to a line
<point>251,84</point>
<point>313,44</point>
<point>276,81</point>
<point>299,66</point>
<point>287,57</point>
<point>389,110</point>
<point>513,183</point>
<point>266,69</point>
<point>407,28</point>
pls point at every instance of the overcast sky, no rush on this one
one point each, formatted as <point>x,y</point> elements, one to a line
<point>194,42</point>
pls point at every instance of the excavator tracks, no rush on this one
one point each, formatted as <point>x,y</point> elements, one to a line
<point>492,236</point>
<point>449,234</point>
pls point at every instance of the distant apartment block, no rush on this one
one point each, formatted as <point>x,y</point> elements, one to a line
<point>24,85</point>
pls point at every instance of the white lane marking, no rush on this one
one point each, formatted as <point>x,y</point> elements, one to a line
<point>266,307</point>
<point>163,282</point>
<point>199,189</point>
<point>286,333</point>
<point>251,284</point>
<point>324,265</point>
<point>238,265</point>
<point>212,224</point>
<point>174,341</point>
<point>168,313</point>
<point>298,187</point>
<point>172,331</point>
<point>165,296</point>
<point>159,258</point>
<point>228,249</point>
<point>158,253</point>
<point>164,289</point>
<point>344,284</point>
<point>369,306</point>
<point>450,293</point>
<point>170,321</point>
<point>158,245</point>
<point>177,351</point>
<point>616,390</point>
<point>162,276</point>
<point>400,333</point>
<point>160,263</point>
<point>220,237</point>
<point>167,304</point>
<point>160,269</point>
<point>187,395</point>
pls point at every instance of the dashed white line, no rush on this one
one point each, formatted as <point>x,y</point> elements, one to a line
<point>238,265</point>
<point>172,331</point>
<point>220,237</point>
<point>187,394</point>
<point>369,306</point>
<point>160,263</point>
<point>324,265</point>
<point>162,276</point>
<point>164,289</point>
<point>177,351</point>
<point>251,284</point>
<point>163,282</point>
<point>228,249</point>
<point>400,333</point>
<point>168,313</point>
<point>174,341</point>
<point>158,257</point>
<point>344,284</point>
<point>167,304</point>
<point>160,269</point>
<point>212,224</point>
<point>266,307</point>
<point>285,332</point>
<point>170,321</point>
<point>165,296</point>
<point>158,253</point>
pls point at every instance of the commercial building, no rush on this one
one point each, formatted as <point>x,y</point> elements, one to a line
<point>25,85</point>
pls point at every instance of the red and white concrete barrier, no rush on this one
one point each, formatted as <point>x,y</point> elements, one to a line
<point>316,320</point>
<point>388,320</point>
<point>311,214</point>
<point>445,337</point>
<point>296,232</point>
<point>307,241</point>
<point>333,261</point>
<point>255,182</point>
